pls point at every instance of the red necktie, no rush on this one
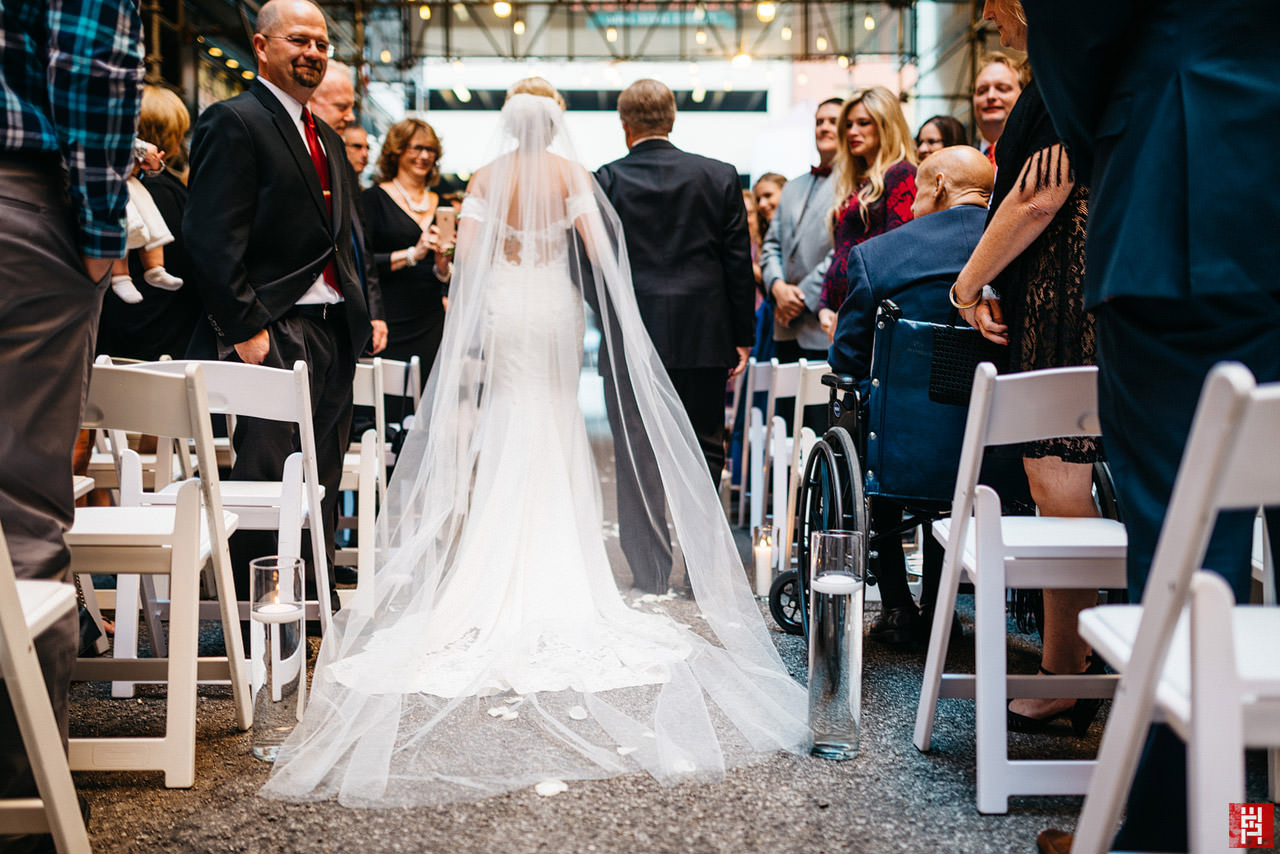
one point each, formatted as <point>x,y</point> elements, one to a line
<point>991,154</point>
<point>321,162</point>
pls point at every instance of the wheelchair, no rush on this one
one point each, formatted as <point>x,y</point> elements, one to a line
<point>836,487</point>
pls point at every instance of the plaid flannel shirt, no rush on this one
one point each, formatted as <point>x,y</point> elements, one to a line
<point>71,82</point>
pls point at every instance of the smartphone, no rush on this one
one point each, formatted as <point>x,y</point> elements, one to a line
<point>447,223</point>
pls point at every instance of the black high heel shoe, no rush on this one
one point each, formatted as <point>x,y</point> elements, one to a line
<point>1079,714</point>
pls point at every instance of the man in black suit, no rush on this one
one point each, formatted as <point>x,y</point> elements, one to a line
<point>1181,268</point>
<point>268,228</point>
<point>914,266</point>
<point>686,232</point>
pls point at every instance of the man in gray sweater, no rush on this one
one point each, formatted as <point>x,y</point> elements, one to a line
<point>797,249</point>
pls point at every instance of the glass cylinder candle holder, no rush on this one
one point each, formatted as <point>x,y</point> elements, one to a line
<point>764,556</point>
<point>837,575</point>
<point>277,651</point>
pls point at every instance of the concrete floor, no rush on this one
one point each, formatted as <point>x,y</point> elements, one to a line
<point>891,798</point>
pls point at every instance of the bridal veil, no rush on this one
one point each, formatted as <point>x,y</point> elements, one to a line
<point>490,650</point>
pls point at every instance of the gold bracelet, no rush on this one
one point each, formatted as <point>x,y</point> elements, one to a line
<point>951,295</point>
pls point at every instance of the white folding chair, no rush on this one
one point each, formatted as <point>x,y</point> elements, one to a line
<point>158,466</point>
<point>998,552</point>
<point>783,385</point>
<point>174,541</point>
<point>286,505</point>
<point>402,381</point>
<point>809,391</point>
<point>367,390</point>
<point>27,608</point>
<point>755,447</point>
<point>727,489</point>
<point>1210,672</point>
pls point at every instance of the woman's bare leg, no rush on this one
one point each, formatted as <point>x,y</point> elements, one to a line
<point>1060,489</point>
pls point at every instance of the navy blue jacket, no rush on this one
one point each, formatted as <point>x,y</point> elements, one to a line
<point>1170,109</point>
<point>913,265</point>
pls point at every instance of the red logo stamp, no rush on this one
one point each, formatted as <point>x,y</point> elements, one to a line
<point>1251,826</point>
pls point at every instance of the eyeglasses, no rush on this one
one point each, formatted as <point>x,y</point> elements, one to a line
<point>423,149</point>
<point>304,43</point>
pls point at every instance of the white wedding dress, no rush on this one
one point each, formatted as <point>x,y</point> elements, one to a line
<point>491,648</point>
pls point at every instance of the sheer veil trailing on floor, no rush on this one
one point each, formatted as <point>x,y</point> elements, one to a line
<point>490,649</point>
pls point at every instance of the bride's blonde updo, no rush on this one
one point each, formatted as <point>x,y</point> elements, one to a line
<point>536,86</point>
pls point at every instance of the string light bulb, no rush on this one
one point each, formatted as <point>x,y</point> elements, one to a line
<point>741,60</point>
<point>700,36</point>
<point>821,43</point>
<point>699,95</point>
<point>385,56</point>
<point>869,22</point>
<point>786,34</point>
<point>502,8</point>
<point>518,27</point>
<point>765,11</point>
<point>424,12</point>
<point>611,34</point>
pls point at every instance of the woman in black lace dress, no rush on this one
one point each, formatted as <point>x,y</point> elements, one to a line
<point>1032,254</point>
<point>413,270</point>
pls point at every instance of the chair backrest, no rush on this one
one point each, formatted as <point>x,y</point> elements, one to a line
<point>272,394</point>
<point>1022,407</point>
<point>759,376</point>
<point>366,387</point>
<point>403,379</point>
<point>171,403</point>
<point>809,391</point>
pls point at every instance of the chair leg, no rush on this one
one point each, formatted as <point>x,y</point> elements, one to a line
<point>184,629</point>
<point>990,661</point>
<point>939,640</point>
<point>1215,756</point>
<point>126,638</point>
<point>91,604</point>
<point>39,731</point>
<point>152,612</point>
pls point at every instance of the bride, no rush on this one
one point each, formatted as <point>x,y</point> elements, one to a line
<point>491,649</point>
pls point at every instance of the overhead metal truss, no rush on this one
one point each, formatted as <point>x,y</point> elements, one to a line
<point>397,33</point>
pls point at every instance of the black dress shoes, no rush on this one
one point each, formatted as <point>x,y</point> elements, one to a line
<point>896,626</point>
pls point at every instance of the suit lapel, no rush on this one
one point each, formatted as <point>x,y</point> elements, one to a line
<point>293,141</point>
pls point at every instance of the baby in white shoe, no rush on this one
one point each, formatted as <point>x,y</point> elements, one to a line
<point>147,233</point>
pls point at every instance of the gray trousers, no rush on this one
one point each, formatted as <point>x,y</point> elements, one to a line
<point>48,320</point>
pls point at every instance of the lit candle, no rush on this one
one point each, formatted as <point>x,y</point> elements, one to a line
<point>277,612</point>
<point>764,566</point>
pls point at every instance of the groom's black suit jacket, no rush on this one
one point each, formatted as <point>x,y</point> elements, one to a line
<point>256,225</point>
<point>686,232</point>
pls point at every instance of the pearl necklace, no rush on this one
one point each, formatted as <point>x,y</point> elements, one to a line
<point>416,207</point>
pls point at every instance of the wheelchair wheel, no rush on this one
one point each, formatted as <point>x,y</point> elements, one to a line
<point>831,498</point>
<point>785,604</point>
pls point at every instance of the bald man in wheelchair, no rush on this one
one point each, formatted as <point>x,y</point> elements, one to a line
<point>914,266</point>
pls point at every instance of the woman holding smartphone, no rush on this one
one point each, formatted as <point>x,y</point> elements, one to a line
<point>411,237</point>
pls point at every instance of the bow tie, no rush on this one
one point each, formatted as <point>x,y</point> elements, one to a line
<point>819,171</point>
